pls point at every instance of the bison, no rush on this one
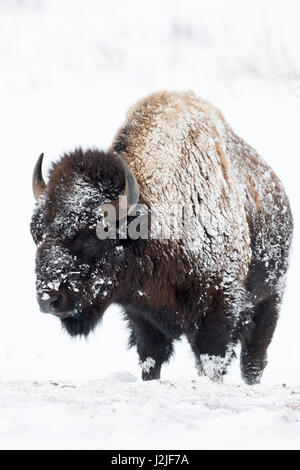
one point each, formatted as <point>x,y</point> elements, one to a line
<point>219,283</point>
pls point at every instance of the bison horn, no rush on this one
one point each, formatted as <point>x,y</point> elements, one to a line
<point>38,183</point>
<point>125,203</point>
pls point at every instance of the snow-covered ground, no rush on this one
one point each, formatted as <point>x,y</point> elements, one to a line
<point>68,71</point>
<point>120,412</point>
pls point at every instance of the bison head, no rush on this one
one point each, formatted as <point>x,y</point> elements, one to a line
<point>79,275</point>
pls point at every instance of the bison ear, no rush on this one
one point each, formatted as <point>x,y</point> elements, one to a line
<point>38,183</point>
<point>125,204</point>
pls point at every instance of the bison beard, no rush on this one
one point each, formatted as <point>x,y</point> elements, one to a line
<point>220,283</point>
<point>80,325</point>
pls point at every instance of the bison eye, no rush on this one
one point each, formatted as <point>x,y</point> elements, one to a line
<point>85,243</point>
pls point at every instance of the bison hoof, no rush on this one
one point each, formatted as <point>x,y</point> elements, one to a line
<point>147,377</point>
<point>150,369</point>
<point>213,367</point>
<point>252,370</point>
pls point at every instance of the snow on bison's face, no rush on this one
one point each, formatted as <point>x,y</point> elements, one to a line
<point>78,274</point>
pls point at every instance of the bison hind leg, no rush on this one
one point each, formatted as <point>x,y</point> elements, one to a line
<point>256,339</point>
<point>213,347</point>
<point>213,366</point>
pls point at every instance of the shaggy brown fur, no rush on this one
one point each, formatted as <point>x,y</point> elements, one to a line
<point>222,282</point>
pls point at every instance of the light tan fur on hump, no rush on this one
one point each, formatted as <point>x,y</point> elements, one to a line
<point>173,143</point>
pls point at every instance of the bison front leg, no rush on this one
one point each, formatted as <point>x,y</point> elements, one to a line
<point>153,347</point>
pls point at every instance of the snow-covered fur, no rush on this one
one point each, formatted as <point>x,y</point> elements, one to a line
<point>221,282</point>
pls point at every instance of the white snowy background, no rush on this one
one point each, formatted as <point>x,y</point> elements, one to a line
<point>68,71</point>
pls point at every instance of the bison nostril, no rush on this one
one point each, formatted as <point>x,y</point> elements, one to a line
<point>57,303</point>
<point>54,304</point>
<point>47,302</point>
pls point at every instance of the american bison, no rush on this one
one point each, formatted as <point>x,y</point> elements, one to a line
<point>219,282</point>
